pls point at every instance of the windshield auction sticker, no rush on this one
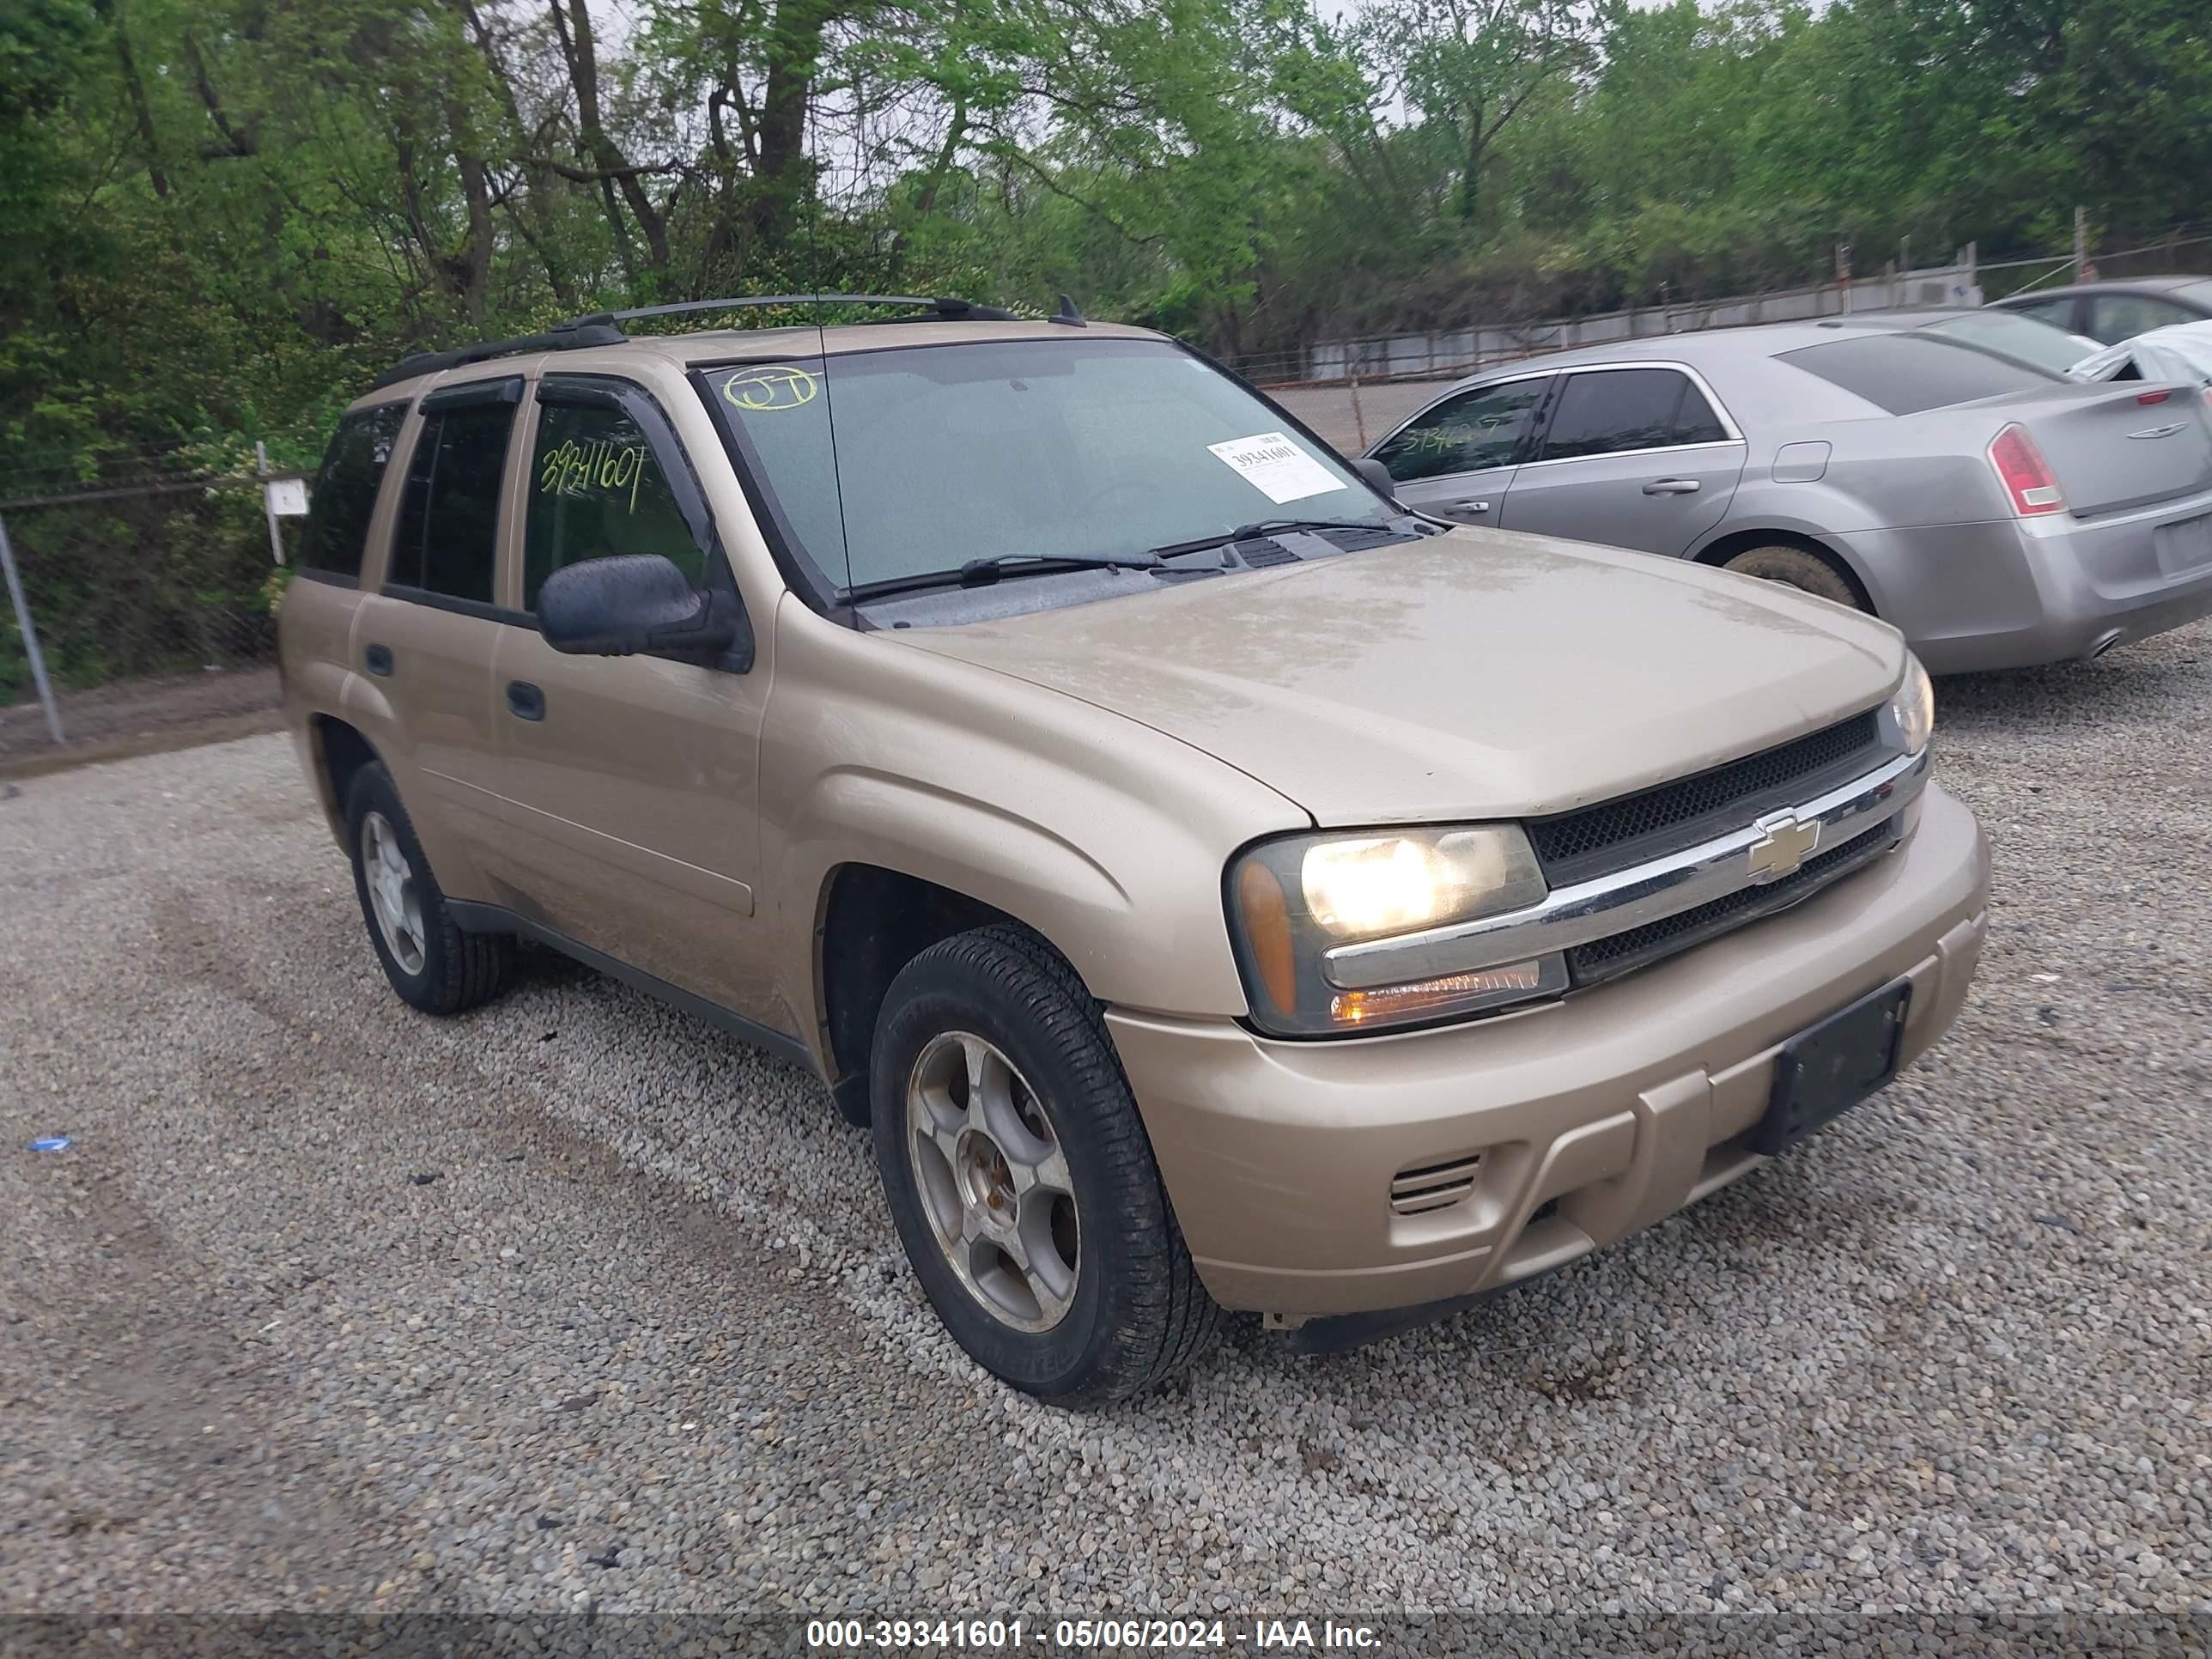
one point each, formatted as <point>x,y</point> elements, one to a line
<point>1277,468</point>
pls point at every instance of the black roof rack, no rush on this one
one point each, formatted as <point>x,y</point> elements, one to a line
<point>561,337</point>
<point>598,328</point>
<point>950,309</point>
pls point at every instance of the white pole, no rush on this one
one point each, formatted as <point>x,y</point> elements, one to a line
<point>30,635</point>
<point>268,506</point>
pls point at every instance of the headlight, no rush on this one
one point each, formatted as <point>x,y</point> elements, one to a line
<point>1290,901</point>
<point>1913,709</point>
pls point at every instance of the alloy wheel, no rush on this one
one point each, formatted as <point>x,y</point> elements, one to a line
<point>391,892</point>
<point>993,1181</point>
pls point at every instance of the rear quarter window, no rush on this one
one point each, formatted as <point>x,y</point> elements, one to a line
<point>345,489</point>
<point>1905,374</point>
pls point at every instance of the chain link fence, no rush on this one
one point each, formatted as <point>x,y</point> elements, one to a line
<point>145,587</point>
<point>1449,353</point>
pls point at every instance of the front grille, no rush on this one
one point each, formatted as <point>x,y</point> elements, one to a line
<point>1594,840</point>
<point>1608,958</point>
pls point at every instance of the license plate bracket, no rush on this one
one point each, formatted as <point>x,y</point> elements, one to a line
<point>2183,546</point>
<point>1828,1068</point>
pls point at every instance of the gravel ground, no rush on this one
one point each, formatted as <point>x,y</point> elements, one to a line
<point>575,1302</point>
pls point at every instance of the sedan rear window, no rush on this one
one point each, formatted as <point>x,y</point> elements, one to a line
<point>1905,374</point>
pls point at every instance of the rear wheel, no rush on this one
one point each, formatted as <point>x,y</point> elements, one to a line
<point>1020,1178</point>
<point>430,961</point>
<point>1801,568</point>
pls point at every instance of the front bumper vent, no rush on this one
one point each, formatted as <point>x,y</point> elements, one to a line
<point>1434,1186</point>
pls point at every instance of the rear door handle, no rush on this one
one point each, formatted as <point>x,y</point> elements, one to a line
<point>378,658</point>
<point>1470,504</point>
<point>1671,487</point>
<point>524,700</point>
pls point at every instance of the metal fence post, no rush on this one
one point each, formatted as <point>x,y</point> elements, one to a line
<point>30,634</point>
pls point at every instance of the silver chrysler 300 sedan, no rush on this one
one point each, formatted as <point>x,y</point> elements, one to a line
<point>1998,516</point>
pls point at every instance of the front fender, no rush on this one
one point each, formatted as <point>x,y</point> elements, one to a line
<point>1107,837</point>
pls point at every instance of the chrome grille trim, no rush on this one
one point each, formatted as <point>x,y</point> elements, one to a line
<point>1588,842</point>
<point>1591,910</point>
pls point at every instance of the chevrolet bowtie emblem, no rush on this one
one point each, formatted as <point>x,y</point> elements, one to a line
<point>1783,844</point>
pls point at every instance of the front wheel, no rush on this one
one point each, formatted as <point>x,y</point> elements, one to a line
<point>1020,1178</point>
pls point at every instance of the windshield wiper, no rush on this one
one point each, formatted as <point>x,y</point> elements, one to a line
<point>981,573</point>
<point>1245,532</point>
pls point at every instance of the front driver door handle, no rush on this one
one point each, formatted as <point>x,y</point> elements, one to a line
<point>524,700</point>
<point>1469,506</point>
<point>1671,487</point>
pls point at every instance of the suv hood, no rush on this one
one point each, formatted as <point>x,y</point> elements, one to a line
<point>1477,674</point>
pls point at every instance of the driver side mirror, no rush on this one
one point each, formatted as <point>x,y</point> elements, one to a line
<point>1377,477</point>
<point>635,602</point>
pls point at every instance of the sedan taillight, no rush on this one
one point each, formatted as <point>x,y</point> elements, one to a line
<point>2026,476</point>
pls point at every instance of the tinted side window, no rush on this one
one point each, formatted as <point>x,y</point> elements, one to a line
<point>2117,317</point>
<point>448,537</point>
<point>1907,373</point>
<point>345,489</point>
<point>1695,422</point>
<point>597,489</point>
<point>1476,429</point>
<point>1619,409</point>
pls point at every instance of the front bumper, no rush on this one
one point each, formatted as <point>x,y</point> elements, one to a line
<point>2010,593</point>
<point>1622,1104</point>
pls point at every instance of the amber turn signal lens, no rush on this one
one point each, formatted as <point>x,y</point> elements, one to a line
<point>1422,996</point>
<point>1267,916</point>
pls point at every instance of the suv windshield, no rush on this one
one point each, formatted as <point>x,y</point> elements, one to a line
<point>1076,449</point>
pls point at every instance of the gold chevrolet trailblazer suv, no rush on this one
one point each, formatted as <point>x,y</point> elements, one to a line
<point>1217,886</point>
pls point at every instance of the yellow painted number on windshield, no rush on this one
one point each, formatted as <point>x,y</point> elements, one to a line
<point>779,386</point>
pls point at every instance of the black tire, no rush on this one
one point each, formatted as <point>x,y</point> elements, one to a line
<point>457,970</point>
<point>1805,571</point>
<point>1139,1314</point>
